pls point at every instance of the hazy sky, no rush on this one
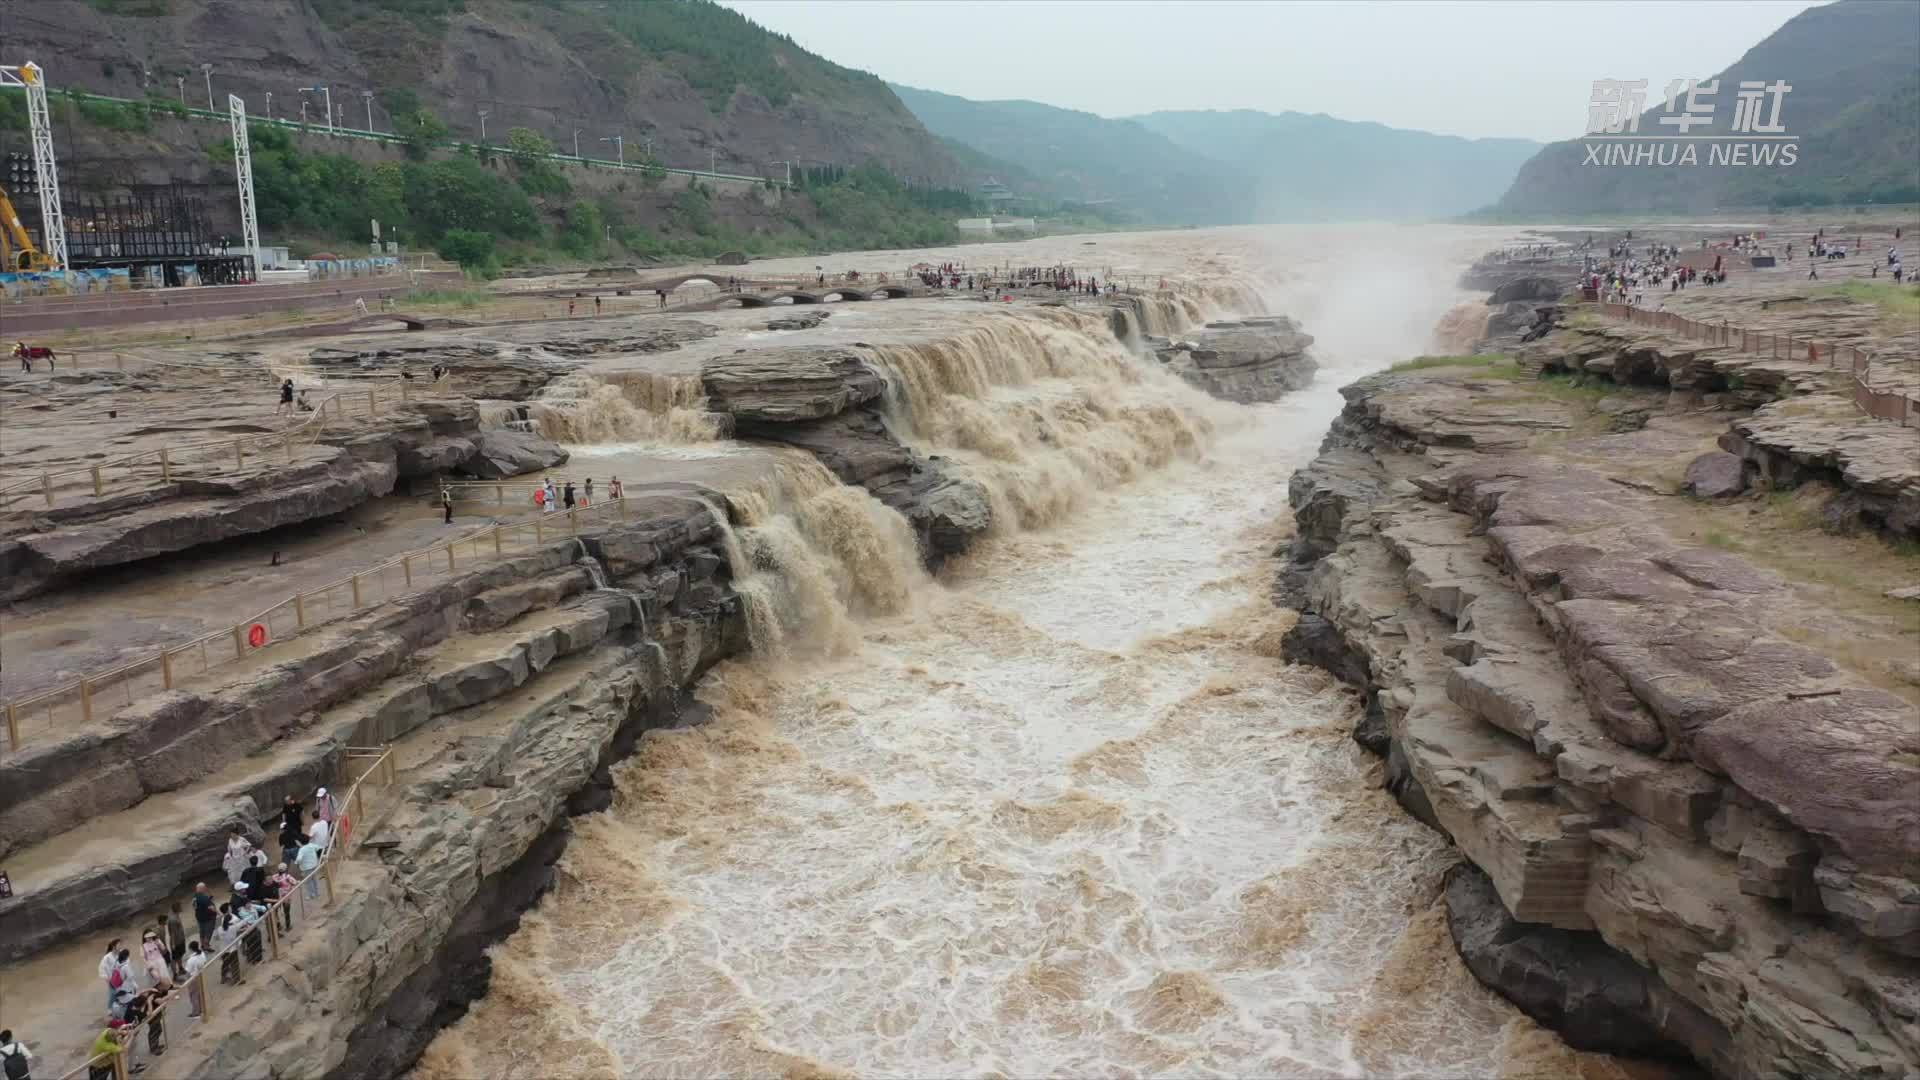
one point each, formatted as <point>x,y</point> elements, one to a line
<point>1487,67</point>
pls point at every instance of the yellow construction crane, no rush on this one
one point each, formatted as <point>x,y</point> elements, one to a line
<point>16,247</point>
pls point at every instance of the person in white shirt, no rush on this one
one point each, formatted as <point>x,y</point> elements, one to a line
<point>307,859</point>
<point>108,961</point>
<point>321,833</point>
<point>196,990</point>
<point>16,1059</point>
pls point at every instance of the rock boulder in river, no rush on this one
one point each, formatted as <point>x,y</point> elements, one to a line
<point>1248,361</point>
<point>825,401</point>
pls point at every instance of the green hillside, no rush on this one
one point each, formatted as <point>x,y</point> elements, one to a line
<point>1080,156</point>
<point>1855,105</point>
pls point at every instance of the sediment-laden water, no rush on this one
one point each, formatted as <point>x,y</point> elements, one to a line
<point>1062,812</point>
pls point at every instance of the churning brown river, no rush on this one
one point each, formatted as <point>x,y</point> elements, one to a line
<point>1062,811</point>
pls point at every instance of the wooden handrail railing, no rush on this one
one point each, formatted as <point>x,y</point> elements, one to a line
<point>354,592</point>
<point>1899,406</point>
<point>341,843</point>
<point>307,432</point>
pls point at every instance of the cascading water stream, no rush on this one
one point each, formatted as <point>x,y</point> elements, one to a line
<point>612,407</point>
<point>1064,812</point>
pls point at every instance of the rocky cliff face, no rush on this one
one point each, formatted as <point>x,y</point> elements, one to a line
<point>827,402</point>
<point>1248,361</point>
<point>1689,832</point>
<point>548,67</point>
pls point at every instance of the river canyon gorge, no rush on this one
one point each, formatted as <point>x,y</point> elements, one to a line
<point>1014,682</point>
<point>1061,807</point>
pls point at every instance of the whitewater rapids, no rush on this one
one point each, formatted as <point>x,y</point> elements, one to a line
<point>1062,812</point>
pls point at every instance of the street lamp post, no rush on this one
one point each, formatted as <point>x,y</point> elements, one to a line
<point>619,145</point>
<point>713,160</point>
<point>269,104</point>
<point>328,91</point>
<point>576,142</point>
<point>181,82</point>
<point>207,70</point>
<point>367,96</point>
<point>483,127</point>
<point>303,112</point>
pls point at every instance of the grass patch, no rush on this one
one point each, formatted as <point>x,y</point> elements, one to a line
<point>1721,540</point>
<point>1576,388</point>
<point>1898,301</point>
<point>465,299</point>
<point>1421,363</point>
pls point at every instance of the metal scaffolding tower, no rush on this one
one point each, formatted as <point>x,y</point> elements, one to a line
<point>243,169</point>
<point>53,225</point>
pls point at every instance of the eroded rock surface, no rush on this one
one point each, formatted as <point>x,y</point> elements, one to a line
<point>826,402</point>
<point>1610,725</point>
<point>1248,361</point>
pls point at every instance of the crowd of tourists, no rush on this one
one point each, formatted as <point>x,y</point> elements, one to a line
<point>140,980</point>
<point>552,498</point>
<point>1627,273</point>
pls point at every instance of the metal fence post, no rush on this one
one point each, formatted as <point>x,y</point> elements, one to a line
<point>166,467</point>
<point>166,670</point>
<point>299,611</point>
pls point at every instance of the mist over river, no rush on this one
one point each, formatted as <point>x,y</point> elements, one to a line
<point>1062,810</point>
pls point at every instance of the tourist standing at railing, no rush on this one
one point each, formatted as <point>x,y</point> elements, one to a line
<point>286,398</point>
<point>205,915</point>
<point>614,490</point>
<point>109,962</point>
<point>111,1041</point>
<point>320,834</point>
<point>196,983</point>
<point>224,935</point>
<point>307,860</point>
<point>325,808</point>
<point>176,934</point>
<point>293,828</point>
<point>282,884</point>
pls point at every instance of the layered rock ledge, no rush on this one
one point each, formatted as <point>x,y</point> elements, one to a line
<point>1249,360</point>
<point>1691,833</point>
<point>827,402</point>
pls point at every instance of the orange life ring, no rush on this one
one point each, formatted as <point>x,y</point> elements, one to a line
<point>256,635</point>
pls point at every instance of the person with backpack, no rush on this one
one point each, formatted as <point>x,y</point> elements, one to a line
<point>15,1059</point>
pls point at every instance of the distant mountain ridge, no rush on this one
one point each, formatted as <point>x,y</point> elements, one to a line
<point>1855,106</point>
<point>1230,167</point>
<point>1310,166</point>
<point>1079,156</point>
